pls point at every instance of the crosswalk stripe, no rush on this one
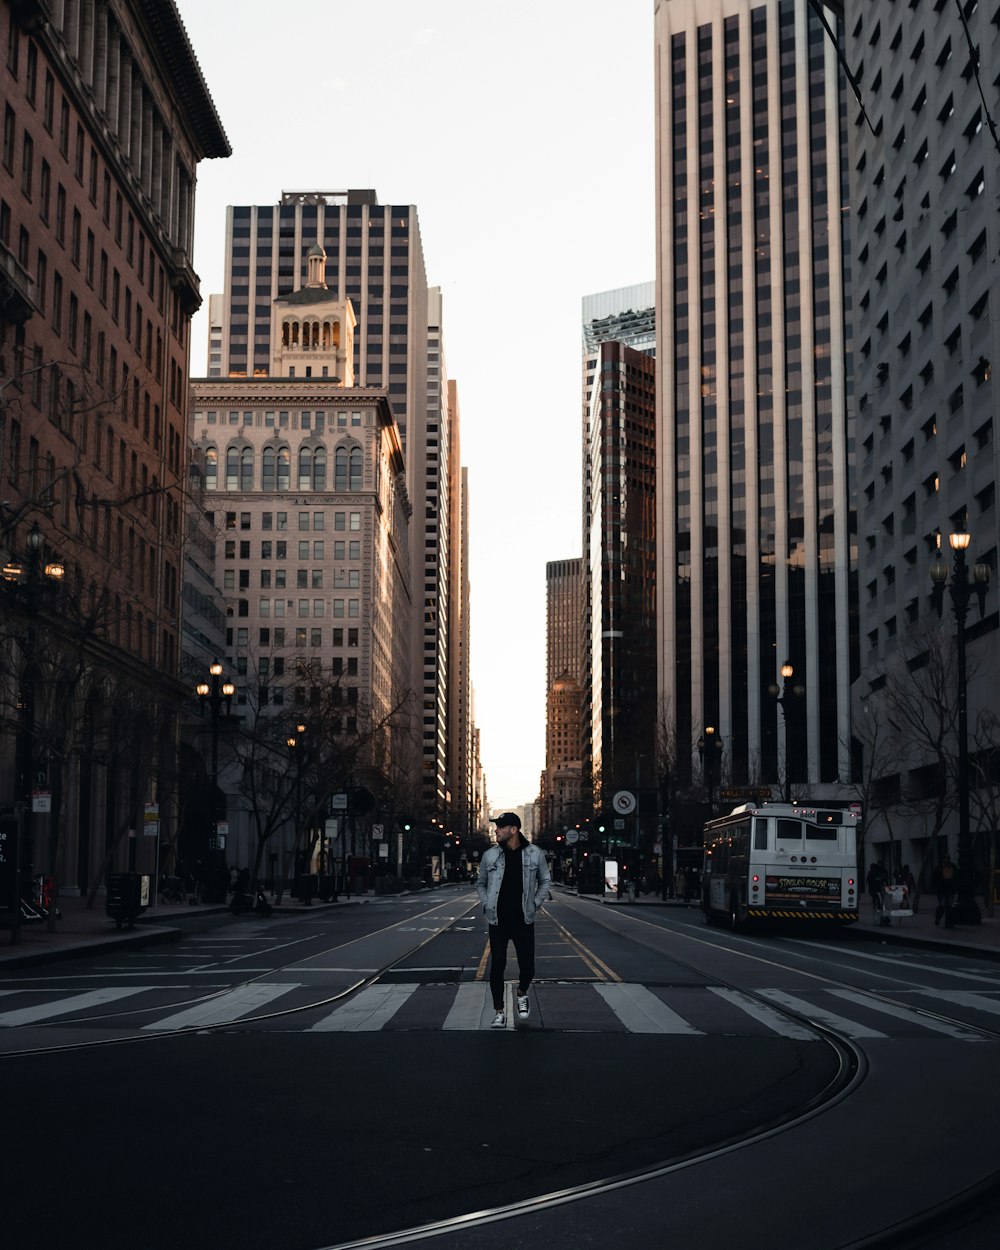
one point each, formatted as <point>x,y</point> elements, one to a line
<point>642,1012</point>
<point>225,1008</point>
<point>471,1007</point>
<point>906,1013</point>
<point>774,1020</point>
<point>62,1006</point>
<point>965,998</point>
<point>841,1023</point>
<point>368,1012</point>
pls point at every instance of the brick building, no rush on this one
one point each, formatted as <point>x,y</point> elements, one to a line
<point>106,116</point>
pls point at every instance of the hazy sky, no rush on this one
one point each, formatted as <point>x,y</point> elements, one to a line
<point>523,133</point>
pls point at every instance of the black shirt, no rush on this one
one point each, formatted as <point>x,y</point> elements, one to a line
<point>510,905</point>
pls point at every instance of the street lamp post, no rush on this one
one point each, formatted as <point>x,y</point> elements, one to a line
<point>964,583</point>
<point>781,695</point>
<point>215,693</point>
<point>710,750</point>
<point>31,576</point>
<point>295,744</point>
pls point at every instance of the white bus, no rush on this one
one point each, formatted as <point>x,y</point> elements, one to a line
<point>781,861</point>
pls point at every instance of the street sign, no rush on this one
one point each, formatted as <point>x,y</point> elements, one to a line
<point>572,837</point>
<point>624,802</point>
<point>383,850</point>
<point>151,820</point>
<point>619,822</point>
<point>41,800</point>
<point>338,803</point>
<point>378,831</point>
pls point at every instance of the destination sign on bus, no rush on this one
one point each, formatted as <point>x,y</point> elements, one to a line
<point>788,888</point>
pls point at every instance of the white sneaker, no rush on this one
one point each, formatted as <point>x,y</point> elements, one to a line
<point>499,1020</point>
<point>523,1006</point>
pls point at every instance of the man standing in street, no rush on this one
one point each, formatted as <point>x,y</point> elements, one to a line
<point>512,884</point>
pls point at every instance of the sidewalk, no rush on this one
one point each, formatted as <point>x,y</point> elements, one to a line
<point>982,940</point>
<point>83,931</point>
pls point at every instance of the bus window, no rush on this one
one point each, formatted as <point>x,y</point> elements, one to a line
<point>760,834</point>
<point>788,831</point>
<point>820,833</point>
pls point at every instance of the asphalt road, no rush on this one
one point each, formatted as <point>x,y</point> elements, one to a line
<point>218,1092</point>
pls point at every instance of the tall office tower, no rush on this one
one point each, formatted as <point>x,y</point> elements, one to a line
<point>927,330</point>
<point>303,472</point>
<point>560,790</point>
<point>460,725</point>
<point>215,307</point>
<point>106,117</point>
<point>375,260</point>
<point>436,558</point>
<point>755,529</point>
<point>618,568</point>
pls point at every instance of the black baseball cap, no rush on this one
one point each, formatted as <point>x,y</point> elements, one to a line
<point>505,819</point>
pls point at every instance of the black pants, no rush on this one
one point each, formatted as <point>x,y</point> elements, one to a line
<point>523,937</point>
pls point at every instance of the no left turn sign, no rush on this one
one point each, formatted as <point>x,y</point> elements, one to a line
<point>623,802</point>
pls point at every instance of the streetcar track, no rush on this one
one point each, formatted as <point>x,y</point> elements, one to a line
<point>851,1069</point>
<point>600,918</point>
<point>107,1017</point>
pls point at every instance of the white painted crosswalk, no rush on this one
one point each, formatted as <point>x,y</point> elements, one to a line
<point>66,1006</point>
<point>467,1007</point>
<point>641,1011</point>
<point>224,1009</point>
<point>366,1012</point>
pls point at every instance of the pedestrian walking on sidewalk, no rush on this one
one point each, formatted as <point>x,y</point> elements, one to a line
<point>876,881</point>
<point>946,885</point>
<point>512,884</point>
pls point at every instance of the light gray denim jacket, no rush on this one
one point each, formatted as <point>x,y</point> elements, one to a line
<point>536,881</point>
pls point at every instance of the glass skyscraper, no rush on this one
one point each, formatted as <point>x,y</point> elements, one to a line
<point>755,527</point>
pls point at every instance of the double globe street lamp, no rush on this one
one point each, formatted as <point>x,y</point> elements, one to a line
<point>782,695</point>
<point>965,582</point>
<point>215,693</point>
<point>710,750</point>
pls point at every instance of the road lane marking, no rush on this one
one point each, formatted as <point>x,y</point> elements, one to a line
<point>596,965</point>
<point>224,1009</point>
<point>841,1023</point>
<point>62,1006</point>
<point>768,1016</point>
<point>642,1012</point>
<point>367,1012</point>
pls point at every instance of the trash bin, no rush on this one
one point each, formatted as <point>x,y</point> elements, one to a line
<point>124,901</point>
<point>306,887</point>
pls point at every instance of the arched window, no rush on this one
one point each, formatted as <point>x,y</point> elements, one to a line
<point>246,469</point>
<point>212,469</point>
<point>284,468</point>
<point>232,468</point>
<point>340,469</point>
<point>267,475</point>
<point>319,469</point>
<point>305,469</point>
<point>355,468</point>
<point>284,334</point>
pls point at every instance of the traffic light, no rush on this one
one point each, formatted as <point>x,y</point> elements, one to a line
<point>405,824</point>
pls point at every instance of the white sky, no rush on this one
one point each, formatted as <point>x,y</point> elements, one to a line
<point>523,132</point>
